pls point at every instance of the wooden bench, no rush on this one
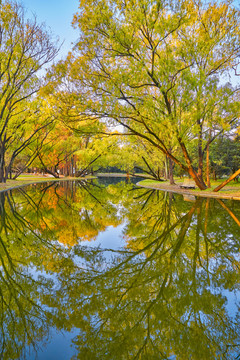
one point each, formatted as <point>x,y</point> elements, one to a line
<point>188,184</point>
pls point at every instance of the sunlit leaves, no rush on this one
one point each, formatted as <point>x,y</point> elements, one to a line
<point>157,67</point>
<point>25,48</point>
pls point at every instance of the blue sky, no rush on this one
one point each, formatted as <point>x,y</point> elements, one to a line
<point>57,15</point>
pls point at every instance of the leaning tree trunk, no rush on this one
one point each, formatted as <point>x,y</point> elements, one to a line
<point>84,171</point>
<point>54,173</point>
<point>191,172</point>
<point>232,177</point>
<point>198,180</point>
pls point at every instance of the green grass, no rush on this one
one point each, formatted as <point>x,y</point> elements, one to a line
<point>150,181</point>
<point>231,187</point>
<point>33,178</point>
<point>25,179</point>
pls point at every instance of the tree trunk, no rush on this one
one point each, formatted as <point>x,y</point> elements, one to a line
<point>166,168</point>
<point>208,167</point>
<point>83,171</point>
<point>198,181</point>
<point>232,177</point>
<point>200,152</point>
<point>229,211</point>
<point>2,164</point>
<point>200,163</point>
<point>54,173</point>
<point>2,177</point>
<point>170,172</point>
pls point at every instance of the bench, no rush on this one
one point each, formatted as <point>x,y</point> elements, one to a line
<point>188,184</point>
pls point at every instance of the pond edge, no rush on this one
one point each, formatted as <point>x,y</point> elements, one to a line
<point>175,189</point>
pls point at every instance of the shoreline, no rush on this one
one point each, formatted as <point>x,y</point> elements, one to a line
<point>176,189</point>
<point>14,184</point>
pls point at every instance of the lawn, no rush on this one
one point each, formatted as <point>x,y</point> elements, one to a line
<point>231,189</point>
<point>29,179</point>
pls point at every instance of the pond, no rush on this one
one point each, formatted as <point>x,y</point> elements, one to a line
<point>108,270</point>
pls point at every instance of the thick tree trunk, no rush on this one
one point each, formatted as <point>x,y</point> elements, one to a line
<point>198,181</point>
<point>53,173</point>
<point>232,177</point>
<point>192,173</point>
<point>170,172</point>
<point>2,164</point>
<point>2,177</point>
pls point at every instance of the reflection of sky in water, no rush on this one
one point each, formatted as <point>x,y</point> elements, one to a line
<point>111,238</point>
<point>233,301</point>
<point>109,243</point>
<point>109,248</point>
<point>58,347</point>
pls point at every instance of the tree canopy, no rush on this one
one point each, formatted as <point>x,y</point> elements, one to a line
<point>25,48</point>
<point>159,68</point>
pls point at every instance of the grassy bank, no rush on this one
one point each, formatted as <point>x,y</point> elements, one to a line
<point>230,191</point>
<point>32,179</point>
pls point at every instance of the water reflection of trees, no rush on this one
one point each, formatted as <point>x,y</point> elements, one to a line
<point>37,227</point>
<point>163,294</point>
<point>22,320</point>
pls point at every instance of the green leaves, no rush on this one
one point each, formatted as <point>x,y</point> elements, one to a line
<point>155,66</point>
<point>25,48</point>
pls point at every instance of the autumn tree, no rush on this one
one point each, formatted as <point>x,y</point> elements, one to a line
<point>159,69</point>
<point>25,48</point>
<point>27,134</point>
<point>57,148</point>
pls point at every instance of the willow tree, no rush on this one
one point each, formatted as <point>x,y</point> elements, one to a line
<point>25,48</point>
<point>157,67</point>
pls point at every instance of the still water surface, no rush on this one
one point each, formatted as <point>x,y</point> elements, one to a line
<point>105,270</point>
